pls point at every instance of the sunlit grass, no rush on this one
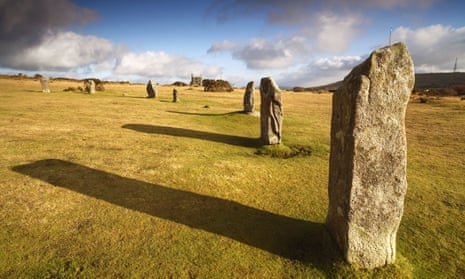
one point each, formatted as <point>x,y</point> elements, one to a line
<point>116,185</point>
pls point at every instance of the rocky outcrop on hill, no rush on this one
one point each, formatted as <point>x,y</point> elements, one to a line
<point>219,85</point>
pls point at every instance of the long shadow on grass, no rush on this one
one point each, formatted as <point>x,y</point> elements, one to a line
<point>291,238</point>
<point>188,133</point>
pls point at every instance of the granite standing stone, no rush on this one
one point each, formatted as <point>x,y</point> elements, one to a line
<point>175,95</point>
<point>44,85</point>
<point>151,90</point>
<point>90,86</point>
<point>271,112</point>
<point>368,161</point>
<point>249,97</point>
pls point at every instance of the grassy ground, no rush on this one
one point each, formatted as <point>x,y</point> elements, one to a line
<point>114,185</point>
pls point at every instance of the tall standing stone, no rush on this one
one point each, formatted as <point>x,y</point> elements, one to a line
<point>249,97</point>
<point>271,112</point>
<point>90,86</point>
<point>368,161</point>
<point>175,95</point>
<point>44,85</point>
<point>151,90</point>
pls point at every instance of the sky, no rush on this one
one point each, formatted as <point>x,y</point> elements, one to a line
<point>297,42</point>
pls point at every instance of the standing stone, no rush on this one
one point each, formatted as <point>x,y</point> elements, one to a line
<point>249,97</point>
<point>368,161</point>
<point>90,86</point>
<point>271,112</point>
<point>175,95</point>
<point>44,84</point>
<point>151,90</point>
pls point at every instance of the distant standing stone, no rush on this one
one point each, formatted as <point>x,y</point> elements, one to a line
<point>90,86</point>
<point>368,161</point>
<point>44,85</point>
<point>271,112</point>
<point>175,95</point>
<point>151,90</point>
<point>249,97</point>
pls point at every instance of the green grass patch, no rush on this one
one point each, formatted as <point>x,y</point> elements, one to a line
<point>283,151</point>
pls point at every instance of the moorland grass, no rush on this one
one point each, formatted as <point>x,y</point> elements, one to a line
<point>114,185</point>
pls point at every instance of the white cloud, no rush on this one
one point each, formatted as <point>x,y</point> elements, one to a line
<point>263,54</point>
<point>433,47</point>
<point>75,55</point>
<point>161,65</point>
<point>336,63</point>
<point>336,32</point>
<point>322,71</point>
<point>222,46</point>
<point>64,51</point>
<point>26,24</point>
<point>33,38</point>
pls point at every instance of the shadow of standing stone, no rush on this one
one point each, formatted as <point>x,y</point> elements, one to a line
<point>271,112</point>
<point>368,161</point>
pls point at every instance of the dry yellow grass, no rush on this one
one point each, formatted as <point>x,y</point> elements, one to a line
<point>117,185</point>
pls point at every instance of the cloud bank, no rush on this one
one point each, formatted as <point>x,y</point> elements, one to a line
<point>161,65</point>
<point>329,28</point>
<point>280,53</point>
<point>272,54</point>
<point>434,47</point>
<point>315,33</point>
<point>34,37</point>
<point>63,51</point>
<point>322,71</point>
<point>26,24</point>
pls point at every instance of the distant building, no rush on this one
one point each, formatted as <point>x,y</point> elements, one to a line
<point>196,81</point>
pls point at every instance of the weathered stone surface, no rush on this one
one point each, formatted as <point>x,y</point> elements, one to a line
<point>175,95</point>
<point>249,97</point>
<point>151,90</point>
<point>90,86</point>
<point>271,112</point>
<point>44,85</point>
<point>367,182</point>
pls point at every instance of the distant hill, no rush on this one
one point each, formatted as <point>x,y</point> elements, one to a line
<point>422,81</point>
<point>328,87</point>
<point>438,80</point>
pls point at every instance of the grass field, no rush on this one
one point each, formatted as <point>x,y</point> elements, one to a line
<point>114,185</point>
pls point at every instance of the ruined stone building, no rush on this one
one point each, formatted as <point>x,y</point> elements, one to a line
<point>196,81</point>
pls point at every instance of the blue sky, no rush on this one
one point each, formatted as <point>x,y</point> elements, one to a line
<point>297,42</point>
